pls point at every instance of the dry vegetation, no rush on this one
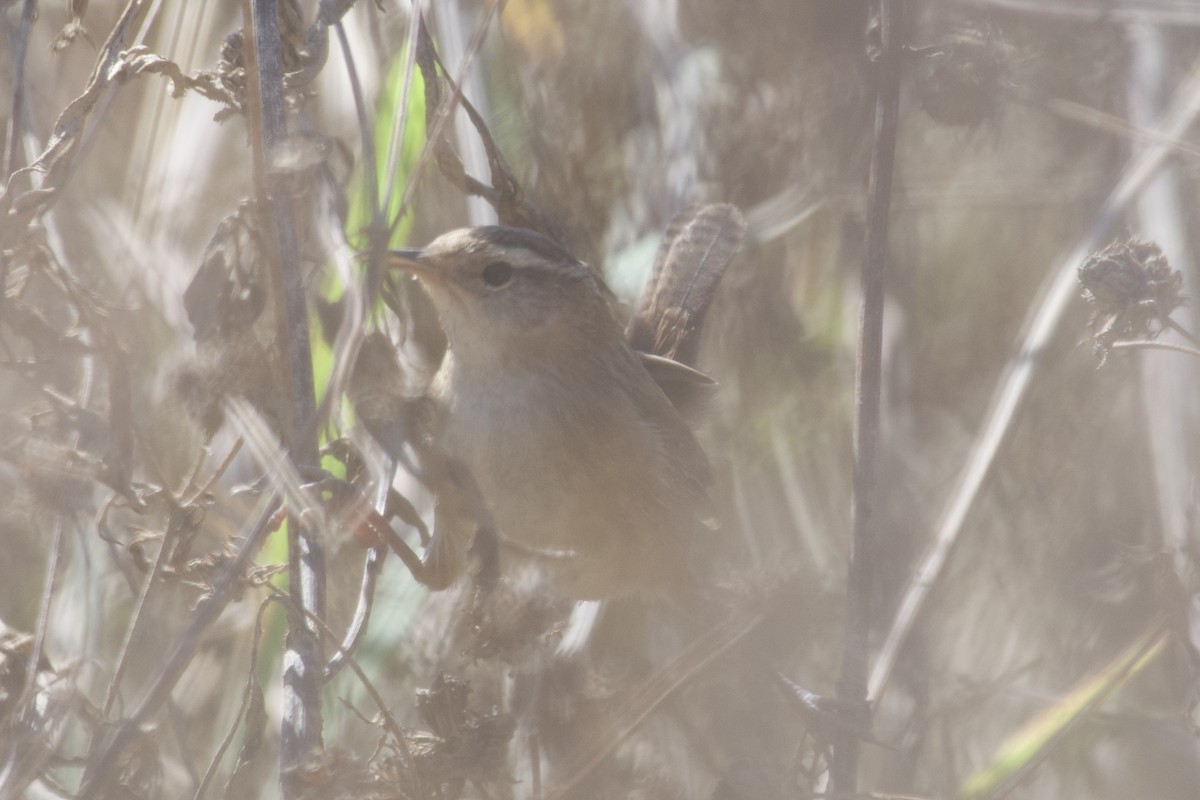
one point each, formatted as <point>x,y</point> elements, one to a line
<point>1037,459</point>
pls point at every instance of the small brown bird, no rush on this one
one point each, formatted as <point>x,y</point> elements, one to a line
<point>575,448</point>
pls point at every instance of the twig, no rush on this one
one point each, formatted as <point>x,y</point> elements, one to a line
<point>362,612</point>
<point>174,524</point>
<point>217,473</point>
<point>15,114</point>
<point>1167,384</point>
<point>43,621</point>
<point>1153,638</point>
<point>1039,329</point>
<point>1182,331</point>
<point>301,730</point>
<point>1151,344</point>
<point>370,168</point>
<point>434,132</point>
<point>143,177</point>
<point>25,703</point>
<point>852,687</point>
<point>1159,12</point>
<point>396,144</point>
<point>178,724</point>
<point>655,690</point>
<point>101,771</point>
<point>56,160</point>
<point>1102,121</point>
<point>25,756</point>
<point>354,314</point>
<point>504,194</point>
<point>389,720</point>
<point>247,690</point>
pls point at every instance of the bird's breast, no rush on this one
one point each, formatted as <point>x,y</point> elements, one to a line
<point>563,469</point>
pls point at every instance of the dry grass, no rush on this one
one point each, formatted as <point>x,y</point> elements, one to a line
<point>136,494</point>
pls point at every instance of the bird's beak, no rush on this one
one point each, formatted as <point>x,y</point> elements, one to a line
<point>407,255</point>
<point>416,262</point>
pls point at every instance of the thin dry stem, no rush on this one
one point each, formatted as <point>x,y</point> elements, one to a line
<point>1042,323</point>
<point>247,690</point>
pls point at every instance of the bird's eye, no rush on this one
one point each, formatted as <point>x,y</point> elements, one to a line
<point>497,273</point>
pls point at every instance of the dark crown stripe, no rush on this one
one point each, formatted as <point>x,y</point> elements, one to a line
<point>532,241</point>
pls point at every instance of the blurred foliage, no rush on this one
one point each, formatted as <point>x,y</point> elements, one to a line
<point>126,496</point>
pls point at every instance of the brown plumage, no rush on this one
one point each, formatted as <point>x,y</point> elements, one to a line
<point>576,450</point>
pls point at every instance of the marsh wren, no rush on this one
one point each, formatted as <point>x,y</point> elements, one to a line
<point>571,440</point>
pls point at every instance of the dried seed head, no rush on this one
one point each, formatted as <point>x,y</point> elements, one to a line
<point>961,79</point>
<point>1132,289</point>
<point>468,742</point>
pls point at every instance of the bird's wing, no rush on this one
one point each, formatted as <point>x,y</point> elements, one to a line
<point>684,456</point>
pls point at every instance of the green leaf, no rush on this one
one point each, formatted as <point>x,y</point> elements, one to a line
<point>1025,749</point>
<point>388,111</point>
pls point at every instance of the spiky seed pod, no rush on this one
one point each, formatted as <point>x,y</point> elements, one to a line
<point>960,80</point>
<point>1132,289</point>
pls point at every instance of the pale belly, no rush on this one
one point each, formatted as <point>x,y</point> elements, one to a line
<point>586,487</point>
